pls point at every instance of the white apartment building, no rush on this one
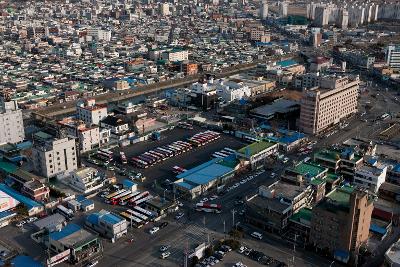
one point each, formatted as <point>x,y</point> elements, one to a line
<point>324,106</point>
<point>392,56</point>
<point>11,123</point>
<point>283,8</point>
<point>370,177</point>
<point>175,55</point>
<point>256,33</point>
<point>321,16</point>
<point>99,34</point>
<point>308,80</point>
<point>264,10</point>
<point>230,90</point>
<point>86,180</point>
<point>90,112</point>
<point>52,156</point>
<point>164,9</point>
<point>88,137</point>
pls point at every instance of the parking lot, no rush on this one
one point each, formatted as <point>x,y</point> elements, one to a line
<point>163,170</point>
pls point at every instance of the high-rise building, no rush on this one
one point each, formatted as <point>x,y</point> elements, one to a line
<point>340,223</point>
<point>53,156</point>
<point>164,9</point>
<point>343,19</point>
<point>321,16</point>
<point>264,10</point>
<point>324,106</point>
<point>392,56</point>
<point>11,122</point>
<point>283,9</point>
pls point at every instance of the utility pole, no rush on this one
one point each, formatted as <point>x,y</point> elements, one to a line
<point>224,230</point>
<point>294,249</point>
<point>233,218</point>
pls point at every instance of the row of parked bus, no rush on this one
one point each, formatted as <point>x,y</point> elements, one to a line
<point>203,138</point>
<point>138,216</point>
<point>162,153</point>
<point>226,152</point>
<point>128,198</point>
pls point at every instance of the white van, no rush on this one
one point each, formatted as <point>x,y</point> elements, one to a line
<point>257,235</point>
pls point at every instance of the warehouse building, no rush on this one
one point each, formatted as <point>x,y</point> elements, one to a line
<point>196,181</point>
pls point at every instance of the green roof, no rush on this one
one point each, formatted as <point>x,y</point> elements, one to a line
<point>307,168</point>
<point>43,135</point>
<point>303,214</point>
<point>255,148</point>
<point>229,163</point>
<point>7,167</point>
<point>330,155</point>
<point>317,181</point>
<point>341,196</point>
<point>331,177</point>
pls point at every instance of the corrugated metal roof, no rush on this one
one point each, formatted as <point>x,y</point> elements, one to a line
<point>66,231</point>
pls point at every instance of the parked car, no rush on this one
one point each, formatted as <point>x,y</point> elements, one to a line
<point>21,223</point>
<point>242,249</point>
<point>257,235</point>
<point>163,225</point>
<point>179,215</point>
<point>154,230</point>
<point>165,255</point>
<point>164,248</point>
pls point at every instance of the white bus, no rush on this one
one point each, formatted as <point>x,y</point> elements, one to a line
<point>221,154</point>
<point>230,150</point>
<point>123,201</point>
<point>135,221</point>
<point>67,213</point>
<point>139,215</point>
<point>215,155</point>
<point>148,213</point>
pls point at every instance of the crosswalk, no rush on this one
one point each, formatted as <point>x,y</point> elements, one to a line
<point>192,234</point>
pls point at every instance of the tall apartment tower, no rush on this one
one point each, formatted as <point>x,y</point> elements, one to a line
<point>53,156</point>
<point>340,222</point>
<point>11,122</point>
<point>164,9</point>
<point>283,9</point>
<point>321,16</point>
<point>264,10</point>
<point>392,56</point>
<point>324,106</point>
<point>343,19</point>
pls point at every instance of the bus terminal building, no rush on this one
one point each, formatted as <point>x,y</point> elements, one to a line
<point>196,181</point>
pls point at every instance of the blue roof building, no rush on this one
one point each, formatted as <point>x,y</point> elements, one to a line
<point>107,224</point>
<point>199,179</point>
<point>32,206</point>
